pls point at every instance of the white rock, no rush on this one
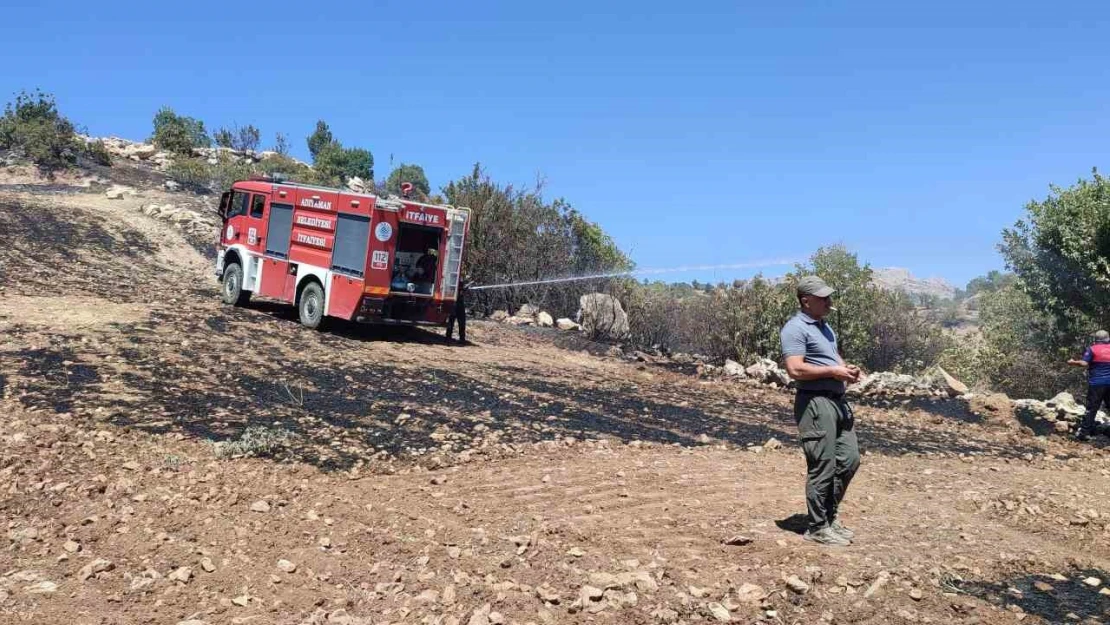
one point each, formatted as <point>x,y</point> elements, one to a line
<point>260,506</point>
<point>734,369</point>
<point>750,594</point>
<point>544,320</point>
<point>720,613</point>
<point>602,315</point>
<point>795,584</point>
<point>356,184</point>
<point>567,325</point>
<point>92,568</point>
<point>181,574</point>
<point>480,616</point>
<point>41,588</point>
<point>287,566</point>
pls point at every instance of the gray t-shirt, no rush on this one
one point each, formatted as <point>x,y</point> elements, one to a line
<point>805,336</point>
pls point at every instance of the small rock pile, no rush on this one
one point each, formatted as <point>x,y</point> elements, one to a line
<point>529,315</point>
<point>1063,411</point>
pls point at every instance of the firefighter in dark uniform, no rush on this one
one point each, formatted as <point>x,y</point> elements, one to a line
<point>458,313</point>
<point>826,425</point>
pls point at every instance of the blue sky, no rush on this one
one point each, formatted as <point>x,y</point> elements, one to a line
<point>696,133</point>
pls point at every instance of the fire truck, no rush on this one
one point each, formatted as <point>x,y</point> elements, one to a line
<point>337,253</point>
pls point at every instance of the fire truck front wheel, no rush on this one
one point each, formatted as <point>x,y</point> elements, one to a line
<point>232,291</point>
<point>310,306</point>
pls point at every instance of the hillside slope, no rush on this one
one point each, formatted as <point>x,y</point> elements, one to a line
<point>402,480</point>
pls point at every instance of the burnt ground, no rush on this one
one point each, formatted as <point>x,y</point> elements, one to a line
<point>147,426</point>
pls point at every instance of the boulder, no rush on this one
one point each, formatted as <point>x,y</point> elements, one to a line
<point>767,371</point>
<point>528,310</point>
<point>567,324</point>
<point>517,320</point>
<point>1066,407</point>
<point>888,383</point>
<point>140,151</point>
<point>734,369</point>
<point>602,316</point>
<point>356,184</point>
<point>172,186</point>
<point>499,316</point>
<point>544,320</point>
<point>117,192</point>
<point>951,385</point>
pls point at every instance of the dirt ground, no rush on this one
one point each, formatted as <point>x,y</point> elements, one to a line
<point>168,459</point>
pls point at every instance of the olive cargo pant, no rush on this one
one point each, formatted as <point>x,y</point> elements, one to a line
<point>826,429</point>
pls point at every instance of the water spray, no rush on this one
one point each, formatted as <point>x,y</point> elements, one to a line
<point>636,272</point>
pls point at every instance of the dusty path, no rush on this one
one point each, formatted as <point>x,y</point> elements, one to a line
<point>407,481</point>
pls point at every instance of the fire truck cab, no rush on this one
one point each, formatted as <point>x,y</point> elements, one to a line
<point>337,253</point>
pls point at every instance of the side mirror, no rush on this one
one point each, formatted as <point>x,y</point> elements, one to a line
<point>225,201</point>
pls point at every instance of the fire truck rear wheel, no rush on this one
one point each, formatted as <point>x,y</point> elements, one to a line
<point>232,291</point>
<point>311,305</point>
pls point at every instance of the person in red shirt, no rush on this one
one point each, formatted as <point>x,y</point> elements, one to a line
<point>1097,361</point>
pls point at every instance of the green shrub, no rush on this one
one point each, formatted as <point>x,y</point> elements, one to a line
<point>177,133</point>
<point>33,126</point>
<point>191,173</point>
<point>228,170</point>
<point>97,152</point>
<point>292,170</point>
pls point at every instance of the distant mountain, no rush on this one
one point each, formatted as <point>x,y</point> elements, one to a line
<point>898,279</point>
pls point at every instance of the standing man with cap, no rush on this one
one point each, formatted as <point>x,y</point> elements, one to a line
<point>1097,361</point>
<point>824,418</point>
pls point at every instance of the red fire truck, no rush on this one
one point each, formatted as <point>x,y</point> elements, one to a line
<point>338,253</point>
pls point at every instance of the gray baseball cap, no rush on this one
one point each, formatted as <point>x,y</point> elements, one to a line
<point>1102,336</point>
<point>812,285</point>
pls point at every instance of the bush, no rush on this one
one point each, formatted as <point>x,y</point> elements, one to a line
<point>33,126</point>
<point>177,133</point>
<point>291,169</point>
<point>191,173</point>
<point>254,441</point>
<point>228,170</point>
<point>98,153</point>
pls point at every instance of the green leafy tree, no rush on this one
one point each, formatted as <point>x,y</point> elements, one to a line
<point>1021,350</point>
<point>993,281</point>
<point>408,173</point>
<point>319,139</point>
<point>32,125</point>
<point>1061,253</point>
<point>339,164</point>
<point>178,134</point>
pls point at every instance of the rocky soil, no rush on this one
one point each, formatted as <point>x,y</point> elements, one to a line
<point>167,459</point>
